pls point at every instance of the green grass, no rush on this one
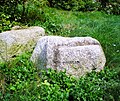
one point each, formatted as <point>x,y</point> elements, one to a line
<point>105,28</point>
<point>24,83</point>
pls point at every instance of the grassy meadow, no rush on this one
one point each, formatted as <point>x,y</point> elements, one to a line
<point>21,80</point>
<point>105,28</point>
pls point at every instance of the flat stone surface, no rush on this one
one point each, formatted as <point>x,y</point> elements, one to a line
<point>77,55</point>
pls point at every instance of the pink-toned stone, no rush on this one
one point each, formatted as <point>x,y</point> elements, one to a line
<point>77,55</point>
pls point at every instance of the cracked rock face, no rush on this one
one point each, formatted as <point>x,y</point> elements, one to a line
<point>15,42</point>
<point>77,55</point>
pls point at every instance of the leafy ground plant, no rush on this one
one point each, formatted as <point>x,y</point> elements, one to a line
<point>23,82</point>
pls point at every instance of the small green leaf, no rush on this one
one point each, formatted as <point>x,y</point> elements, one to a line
<point>12,88</point>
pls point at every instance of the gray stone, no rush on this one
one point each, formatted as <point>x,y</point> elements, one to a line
<point>77,55</point>
<point>15,42</point>
<point>16,27</point>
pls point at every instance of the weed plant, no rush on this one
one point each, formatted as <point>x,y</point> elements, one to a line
<point>24,83</point>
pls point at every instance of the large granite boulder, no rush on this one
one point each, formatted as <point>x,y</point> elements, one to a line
<point>77,55</point>
<point>15,42</point>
